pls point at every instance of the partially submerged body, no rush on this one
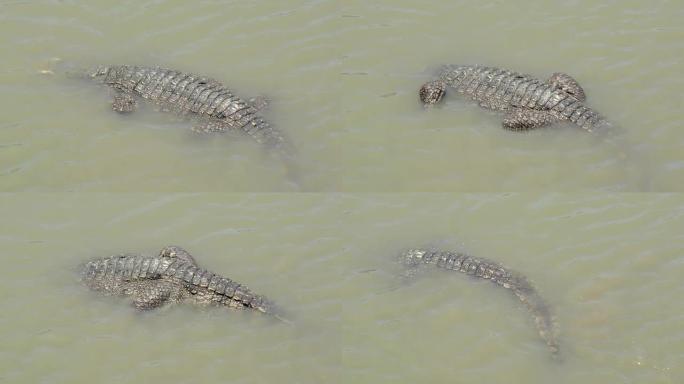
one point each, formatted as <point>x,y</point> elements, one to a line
<point>527,102</point>
<point>170,277</point>
<point>496,273</point>
<point>213,104</point>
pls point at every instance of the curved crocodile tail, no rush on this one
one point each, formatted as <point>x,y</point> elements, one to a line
<point>543,318</point>
<point>489,270</point>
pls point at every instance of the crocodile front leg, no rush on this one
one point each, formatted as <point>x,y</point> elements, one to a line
<point>521,119</point>
<point>124,103</point>
<point>151,295</point>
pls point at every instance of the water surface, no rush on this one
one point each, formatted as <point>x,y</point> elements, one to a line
<point>343,77</point>
<point>610,267</point>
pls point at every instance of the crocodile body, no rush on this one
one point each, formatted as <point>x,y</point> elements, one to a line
<point>528,103</point>
<point>170,277</point>
<point>495,272</point>
<point>215,105</point>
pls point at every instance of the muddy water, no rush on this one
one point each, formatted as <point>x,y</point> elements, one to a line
<point>81,181</point>
<point>610,268</point>
<point>343,79</point>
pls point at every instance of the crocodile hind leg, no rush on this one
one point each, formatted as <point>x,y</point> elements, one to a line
<point>151,295</point>
<point>520,119</point>
<point>124,103</point>
<point>568,84</point>
<point>212,127</point>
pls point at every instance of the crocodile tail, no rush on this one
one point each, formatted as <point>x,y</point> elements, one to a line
<point>279,145</point>
<point>588,119</point>
<point>543,318</point>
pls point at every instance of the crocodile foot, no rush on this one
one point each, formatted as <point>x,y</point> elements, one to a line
<point>152,296</point>
<point>124,103</point>
<point>520,119</point>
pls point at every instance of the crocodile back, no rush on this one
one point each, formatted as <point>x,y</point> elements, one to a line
<point>190,94</point>
<point>212,287</point>
<point>501,89</point>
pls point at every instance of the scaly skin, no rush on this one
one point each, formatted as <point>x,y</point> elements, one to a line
<point>489,270</point>
<point>528,102</point>
<point>171,277</point>
<point>186,94</point>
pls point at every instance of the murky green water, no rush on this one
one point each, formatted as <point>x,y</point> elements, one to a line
<point>343,77</point>
<point>609,266</point>
<point>80,181</point>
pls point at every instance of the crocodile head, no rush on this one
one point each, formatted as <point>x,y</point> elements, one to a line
<point>432,92</point>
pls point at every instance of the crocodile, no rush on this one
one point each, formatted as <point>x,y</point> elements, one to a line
<point>172,276</point>
<point>527,102</point>
<point>212,103</point>
<point>495,272</point>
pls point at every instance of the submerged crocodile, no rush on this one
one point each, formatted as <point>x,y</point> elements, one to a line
<point>218,109</point>
<point>489,270</point>
<point>170,277</point>
<point>528,102</point>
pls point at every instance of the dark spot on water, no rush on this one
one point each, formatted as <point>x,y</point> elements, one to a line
<point>11,145</point>
<point>11,170</point>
